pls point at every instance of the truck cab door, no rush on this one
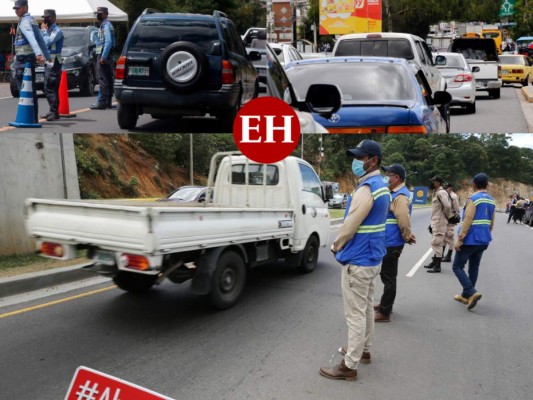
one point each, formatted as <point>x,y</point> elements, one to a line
<point>313,214</point>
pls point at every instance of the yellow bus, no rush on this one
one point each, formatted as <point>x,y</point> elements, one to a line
<point>494,34</point>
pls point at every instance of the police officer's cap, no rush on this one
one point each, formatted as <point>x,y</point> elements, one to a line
<point>396,169</point>
<point>101,10</point>
<point>368,148</point>
<point>20,3</point>
<point>49,13</point>
<point>481,179</point>
<point>438,178</point>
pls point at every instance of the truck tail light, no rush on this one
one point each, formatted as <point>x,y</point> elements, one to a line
<point>463,78</point>
<point>227,72</point>
<point>49,249</point>
<point>407,129</point>
<point>134,261</point>
<point>120,70</point>
<point>499,71</point>
<point>517,71</point>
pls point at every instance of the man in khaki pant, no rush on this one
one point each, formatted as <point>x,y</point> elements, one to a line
<point>440,210</point>
<point>450,233</point>
<point>360,248</point>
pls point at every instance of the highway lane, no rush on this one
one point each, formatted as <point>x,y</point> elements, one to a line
<point>507,114</point>
<point>272,343</point>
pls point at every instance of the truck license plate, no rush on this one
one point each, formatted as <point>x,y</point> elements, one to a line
<point>104,257</point>
<point>139,71</point>
<point>504,71</point>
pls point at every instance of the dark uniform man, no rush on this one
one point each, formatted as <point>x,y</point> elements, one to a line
<point>52,73</point>
<point>397,233</point>
<point>29,47</point>
<point>473,239</point>
<point>104,67</point>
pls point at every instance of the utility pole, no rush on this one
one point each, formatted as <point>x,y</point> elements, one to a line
<point>294,25</point>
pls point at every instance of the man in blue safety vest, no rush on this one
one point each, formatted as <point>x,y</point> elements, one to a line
<point>30,47</point>
<point>360,248</point>
<point>397,233</point>
<point>104,66</point>
<point>53,36</point>
<point>473,239</point>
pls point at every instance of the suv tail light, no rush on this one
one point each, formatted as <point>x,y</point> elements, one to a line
<point>499,71</point>
<point>120,70</point>
<point>227,72</point>
<point>463,78</point>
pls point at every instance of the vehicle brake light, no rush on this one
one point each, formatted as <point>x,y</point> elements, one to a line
<point>517,71</point>
<point>52,249</point>
<point>134,261</point>
<point>227,72</point>
<point>463,78</point>
<point>120,70</point>
<point>374,36</point>
<point>499,71</point>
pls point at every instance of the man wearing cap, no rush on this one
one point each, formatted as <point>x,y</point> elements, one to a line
<point>440,210</point>
<point>360,248</point>
<point>53,37</point>
<point>473,239</point>
<point>397,233</point>
<point>29,47</point>
<point>104,67</point>
<point>449,237</point>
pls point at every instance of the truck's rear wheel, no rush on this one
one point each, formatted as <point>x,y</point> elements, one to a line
<point>133,282</point>
<point>228,280</point>
<point>310,255</point>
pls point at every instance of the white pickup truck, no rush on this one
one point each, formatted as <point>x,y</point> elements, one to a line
<point>481,53</point>
<point>260,213</point>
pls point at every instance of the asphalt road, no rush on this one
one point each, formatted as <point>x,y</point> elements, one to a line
<point>510,113</point>
<point>272,343</point>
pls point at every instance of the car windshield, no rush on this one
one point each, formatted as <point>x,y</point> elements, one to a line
<point>358,81</point>
<point>186,194</point>
<point>451,61</point>
<point>74,38</point>
<point>155,35</point>
<point>512,60</point>
<point>375,47</point>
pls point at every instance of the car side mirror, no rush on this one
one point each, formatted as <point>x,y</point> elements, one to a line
<point>323,99</point>
<point>440,60</point>
<point>327,193</point>
<point>475,69</point>
<point>254,55</point>
<point>442,98</point>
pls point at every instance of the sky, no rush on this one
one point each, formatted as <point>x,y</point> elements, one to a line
<point>522,140</point>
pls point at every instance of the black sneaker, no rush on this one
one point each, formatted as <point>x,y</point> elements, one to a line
<point>45,115</point>
<point>99,106</point>
<point>52,117</point>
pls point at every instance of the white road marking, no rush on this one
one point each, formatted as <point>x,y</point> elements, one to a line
<point>419,263</point>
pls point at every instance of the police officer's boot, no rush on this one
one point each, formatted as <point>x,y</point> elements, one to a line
<point>436,266</point>
<point>432,263</point>
<point>448,256</point>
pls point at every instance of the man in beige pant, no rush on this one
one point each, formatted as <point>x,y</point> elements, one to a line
<point>450,233</point>
<point>360,248</point>
<point>440,210</point>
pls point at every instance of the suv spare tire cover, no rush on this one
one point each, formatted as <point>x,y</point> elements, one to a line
<point>183,66</point>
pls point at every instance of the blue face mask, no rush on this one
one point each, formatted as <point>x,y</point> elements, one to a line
<point>386,180</point>
<point>358,168</point>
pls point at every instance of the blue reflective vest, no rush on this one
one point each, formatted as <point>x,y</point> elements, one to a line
<point>479,232</point>
<point>393,235</point>
<point>28,38</point>
<point>367,247</point>
<point>54,39</point>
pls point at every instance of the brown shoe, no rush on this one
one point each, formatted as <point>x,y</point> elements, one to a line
<point>340,371</point>
<point>376,307</point>
<point>365,357</point>
<point>379,317</point>
<point>460,299</point>
<point>472,301</point>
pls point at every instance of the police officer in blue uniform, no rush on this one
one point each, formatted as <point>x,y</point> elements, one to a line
<point>104,68</point>
<point>473,239</point>
<point>53,36</point>
<point>29,47</point>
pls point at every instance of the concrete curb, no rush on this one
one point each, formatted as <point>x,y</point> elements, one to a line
<point>39,280</point>
<point>527,91</point>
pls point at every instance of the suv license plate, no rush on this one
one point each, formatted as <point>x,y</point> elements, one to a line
<point>104,257</point>
<point>139,71</point>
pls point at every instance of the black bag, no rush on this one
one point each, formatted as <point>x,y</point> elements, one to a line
<point>455,219</point>
<point>430,229</point>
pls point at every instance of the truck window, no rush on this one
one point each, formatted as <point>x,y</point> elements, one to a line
<point>255,174</point>
<point>310,181</point>
<point>375,47</point>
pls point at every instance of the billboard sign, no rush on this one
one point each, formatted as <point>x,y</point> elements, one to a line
<point>339,17</point>
<point>420,195</point>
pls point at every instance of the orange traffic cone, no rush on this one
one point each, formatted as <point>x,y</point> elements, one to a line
<point>64,109</point>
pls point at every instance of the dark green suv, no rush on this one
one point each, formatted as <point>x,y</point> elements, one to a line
<point>175,64</point>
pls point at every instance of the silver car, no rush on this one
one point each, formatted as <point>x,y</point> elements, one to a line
<point>460,80</point>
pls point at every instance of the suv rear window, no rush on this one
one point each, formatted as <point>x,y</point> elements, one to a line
<point>375,47</point>
<point>155,35</point>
